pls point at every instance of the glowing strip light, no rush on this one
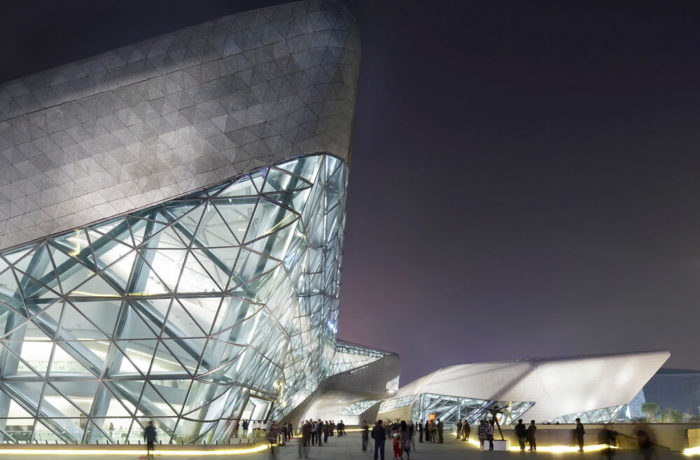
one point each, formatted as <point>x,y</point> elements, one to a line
<point>556,449</point>
<point>159,452</point>
<point>692,451</point>
<point>564,449</point>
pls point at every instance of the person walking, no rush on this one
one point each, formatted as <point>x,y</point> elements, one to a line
<point>466,431</point>
<point>579,432</point>
<point>149,435</point>
<point>379,436</point>
<point>521,433</point>
<point>459,429</point>
<point>405,440</point>
<point>305,439</point>
<point>319,432</point>
<point>365,435</point>
<point>482,433</point>
<point>411,432</point>
<point>427,431</point>
<point>396,441</point>
<point>245,426</point>
<point>440,428</point>
<point>272,433</point>
<point>420,430</point>
<point>531,430</point>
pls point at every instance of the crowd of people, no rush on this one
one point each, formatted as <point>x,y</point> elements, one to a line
<point>401,434</point>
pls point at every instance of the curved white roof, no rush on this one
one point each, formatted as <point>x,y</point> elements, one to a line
<point>557,386</point>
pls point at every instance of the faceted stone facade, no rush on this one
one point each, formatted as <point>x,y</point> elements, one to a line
<point>157,119</point>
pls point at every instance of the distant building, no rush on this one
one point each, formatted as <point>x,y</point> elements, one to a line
<point>595,389</point>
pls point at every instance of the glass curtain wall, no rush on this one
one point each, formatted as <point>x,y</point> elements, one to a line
<point>181,313</point>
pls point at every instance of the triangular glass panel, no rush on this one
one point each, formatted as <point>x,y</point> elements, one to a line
<point>144,280</point>
<point>107,251</point>
<point>120,363</point>
<point>102,313</point>
<point>90,353</point>
<point>76,326</point>
<point>240,187</point>
<point>203,310</point>
<point>233,311</point>
<point>181,324</point>
<point>277,244</point>
<point>95,287</point>
<point>54,404</point>
<point>166,239</point>
<point>30,391</point>
<point>268,218</point>
<point>178,208</point>
<point>10,293</point>
<point>116,229</point>
<point>16,411</point>
<point>195,278</point>
<point>304,167</point>
<point>218,262</point>
<point>119,272</point>
<point>166,264</point>
<point>237,212</point>
<point>164,363</point>
<point>295,200</point>
<point>202,394</point>
<point>278,180</point>
<point>65,365</point>
<point>186,226</point>
<point>73,243</point>
<point>14,256</point>
<point>188,351</point>
<point>132,325</point>
<point>153,404</point>
<point>174,392</point>
<point>213,231</point>
<point>251,265</point>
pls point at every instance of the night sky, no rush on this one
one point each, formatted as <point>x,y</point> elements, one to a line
<point>525,178</point>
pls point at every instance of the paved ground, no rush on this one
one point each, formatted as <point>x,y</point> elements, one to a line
<point>349,448</point>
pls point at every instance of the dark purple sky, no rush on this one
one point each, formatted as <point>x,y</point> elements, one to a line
<point>525,179</point>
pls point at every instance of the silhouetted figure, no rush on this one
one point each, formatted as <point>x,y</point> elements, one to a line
<point>466,431</point>
<point>149,435</point>
<point>365,435</point>
<point>272,433</point>
<point>405,439</point>
<point>609,437</point>
<point>379,436</point>
<point>420,431</point>
<point>521,433</point>
<point>427,431</point>
<point>459,429</point>
<point>646,445</point>
<point>440,427</point>
<point>531,431</point>
<point>579,432</point>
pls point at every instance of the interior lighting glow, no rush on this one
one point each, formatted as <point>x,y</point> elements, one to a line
<point>122,452</point>
<point>692,451</point>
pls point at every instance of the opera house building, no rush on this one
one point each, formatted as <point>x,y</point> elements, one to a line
<point>172,220</point>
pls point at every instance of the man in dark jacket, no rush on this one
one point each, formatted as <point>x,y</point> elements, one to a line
<point>420,431</point>
<point>521,433</point>
<point>149,435</point>
<point>579,432</point>
<point>379,436</point>
<point>365,435</point>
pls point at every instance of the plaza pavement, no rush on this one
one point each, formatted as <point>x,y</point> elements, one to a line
<point>349,448</point>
